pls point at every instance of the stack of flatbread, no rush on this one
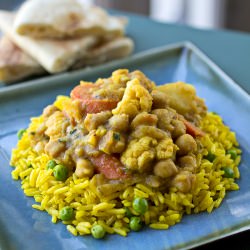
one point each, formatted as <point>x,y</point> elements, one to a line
<point>58,35</point>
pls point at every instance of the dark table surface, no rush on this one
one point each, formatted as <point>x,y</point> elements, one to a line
<point>229,50</point>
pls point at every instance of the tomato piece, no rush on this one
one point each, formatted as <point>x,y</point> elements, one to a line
<point>110,166</point>
<point>92,105</point>
<point>192,129</point>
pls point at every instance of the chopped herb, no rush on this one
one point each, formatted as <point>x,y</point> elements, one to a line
<point>62,139</point>
<point>117,136</point>
<point>73,131</point>
<point>46,137</point>
<point>30,166</point>
<point>32,133</point>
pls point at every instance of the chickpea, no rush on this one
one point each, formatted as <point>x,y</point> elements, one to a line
<point>188,162</point>
<point>179,128</point>
<point>84,168</point>
<point>186,144</point>
<point>144,119</point>
<point>160,99</point>
<point>183,181</point>
<point>153,181</point>
<point>165,117</point>
<point>165,168</point>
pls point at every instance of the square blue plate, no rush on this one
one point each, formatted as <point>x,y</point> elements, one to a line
<point>24,228</point>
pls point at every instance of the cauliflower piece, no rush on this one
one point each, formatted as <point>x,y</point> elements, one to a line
<point>71,107</point>
<point>182,97</point>
<point>136,99</point>
<point>165,149</point>
<point>145,82</point>
<point>139,154</point>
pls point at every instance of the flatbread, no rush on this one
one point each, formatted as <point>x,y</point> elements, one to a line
<point>15,64</point>
<point>65,19</point>
<point>107,51</point>
<point>54,55</point>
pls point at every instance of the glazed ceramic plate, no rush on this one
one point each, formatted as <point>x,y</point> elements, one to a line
<point>24,228</point>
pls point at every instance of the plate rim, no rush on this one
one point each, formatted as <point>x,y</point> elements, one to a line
<point>139,56</point>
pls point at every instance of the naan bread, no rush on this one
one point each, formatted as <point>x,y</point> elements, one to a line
<point>64,19</point>
<point>54,55</point>
<point>107,51</point>
<point>14,63</point>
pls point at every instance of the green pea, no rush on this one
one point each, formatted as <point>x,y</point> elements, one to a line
<point>210,157</point>
<point>117,136</point>
<point>140,205</point>
<point>20,133</point>
<point>66,213</point>
<point>51,164</point>
<point>60,172</point>
<point>128,212</point>
<point>135,223</point>
<point>98,231</point>
<point>228,172</point>
<point>233,153</point>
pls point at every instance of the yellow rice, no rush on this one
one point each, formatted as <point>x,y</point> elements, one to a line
<point>165,209</point>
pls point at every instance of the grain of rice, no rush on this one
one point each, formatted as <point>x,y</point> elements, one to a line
<point>54,219</point>
<point>159,226</point>
<point>72,229</point>
<point>139,193</point>
<point>82,229</point>
<point>145,189</point>
<point>61,190</point>
<point>45,201</point>
<point>108,229</point>
<point>120,231</point>
<point>38,207</point>
<point>81,186</point>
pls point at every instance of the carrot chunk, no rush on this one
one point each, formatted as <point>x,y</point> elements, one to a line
<point>192,129</point>
<point>92,104</point>
<point>110,166</point>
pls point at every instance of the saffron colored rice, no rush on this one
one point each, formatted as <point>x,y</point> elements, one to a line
<point>165,209</point>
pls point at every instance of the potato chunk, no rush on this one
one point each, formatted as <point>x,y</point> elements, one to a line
<point>182,97</point>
